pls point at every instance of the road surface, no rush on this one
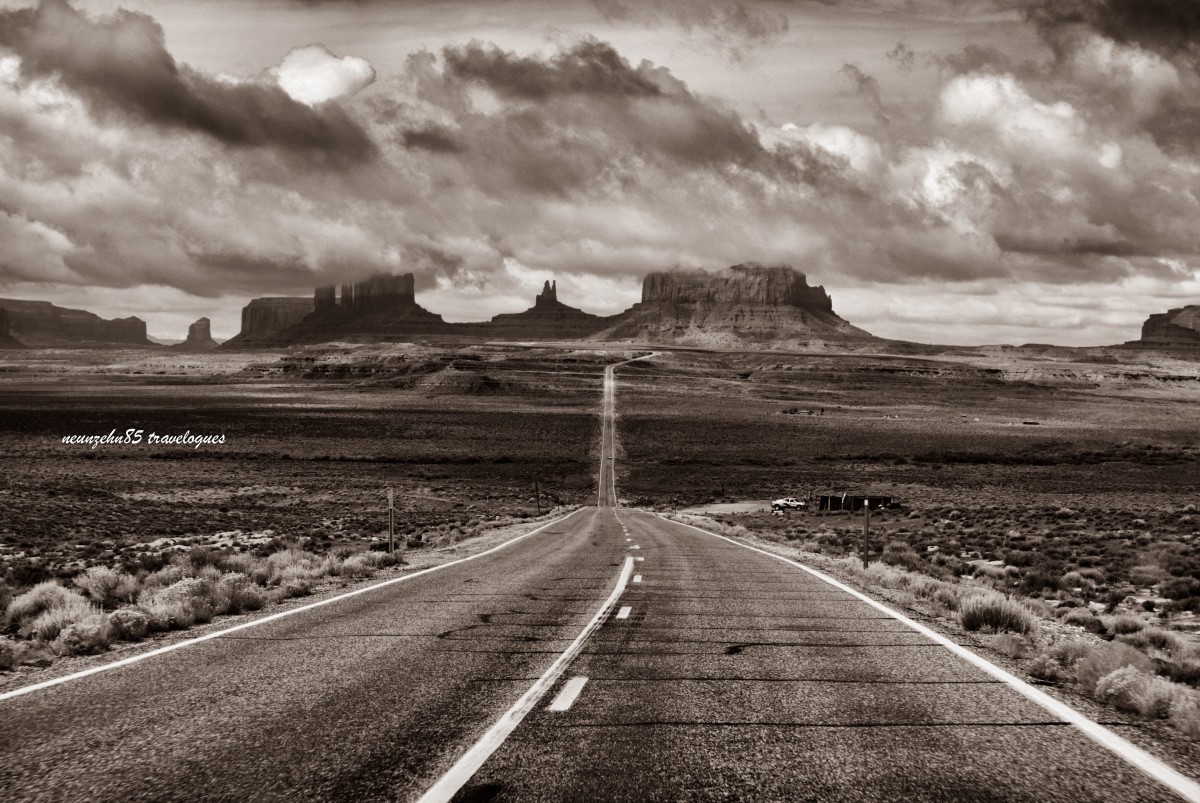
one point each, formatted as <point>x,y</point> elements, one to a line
<point>719,673</point>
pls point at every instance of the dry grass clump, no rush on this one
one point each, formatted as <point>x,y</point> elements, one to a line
<point>195,587</point>
<point>108,588</point>
<point>43,611</point>
<point>1108,657</point>
<point>1130,689</point>
<point>87,636</point>
<point>8,655</point>
<point>1127,623</point>
<point>995,613</point>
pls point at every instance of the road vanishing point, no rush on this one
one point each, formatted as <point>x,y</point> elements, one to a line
<point>608,655</point>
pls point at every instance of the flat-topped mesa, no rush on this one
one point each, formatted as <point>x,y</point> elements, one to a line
<point>1175,329</point>
<point>748,283</point>
<point>383,288</point>
<point>7,341</point>
<point>199,337</point>
<point>264,318</point>
<point>383,306</point>
<point>767,304</point>
<point>40,324</point>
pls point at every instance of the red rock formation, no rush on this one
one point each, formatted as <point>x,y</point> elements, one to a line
<point>264,318</point>
<point>40,324</point>
<point>383,306</point>
<point>749,302</point>
<point>1175,329</point>
<point>547,319</point>
<point>199,337</point>
<point>7,341</point>
<point>325,298</point>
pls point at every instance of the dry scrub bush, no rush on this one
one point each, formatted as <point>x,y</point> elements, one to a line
<point>1105,658</point>
<point>129,624</point>
<point>240,593</point>
<point>85,637</point>
<point>168,575</point>
<point>108,588</point>
<point>1125,624</point>
<point>36,601</point>
<point>8,655</point>
<point>180,605</point>
<point>1130,689</point>
<point>44,610</point>
<point>1186,717</point>
<point>996,613</point>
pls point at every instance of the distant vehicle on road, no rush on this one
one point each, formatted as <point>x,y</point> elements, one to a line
<point>789,503</point>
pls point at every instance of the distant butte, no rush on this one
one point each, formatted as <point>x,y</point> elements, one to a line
<point>747,303</point>
<point>1174,330</point>
<point>40,324</point>
<point>199,337</point>
<point>7,341</point>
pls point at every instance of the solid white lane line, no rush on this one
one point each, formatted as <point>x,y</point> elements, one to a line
<point>570,691</point>
<point>458,775</point>
<point>45,684</point>
<point>1157,769</point>
<point>637,578</point>
<point>624,612</point>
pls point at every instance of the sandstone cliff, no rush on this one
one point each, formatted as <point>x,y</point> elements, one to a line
<point>382,306</point>
<point>199,337</point>
<point>745,304</point>
<point>264,318</point>
<point>7,341</point>
<point>1177,329</point>
<point>40,324</point>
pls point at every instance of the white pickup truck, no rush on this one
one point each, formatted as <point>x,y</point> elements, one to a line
<point>789,503</point>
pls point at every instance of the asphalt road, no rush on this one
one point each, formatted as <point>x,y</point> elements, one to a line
<point>722,674</point>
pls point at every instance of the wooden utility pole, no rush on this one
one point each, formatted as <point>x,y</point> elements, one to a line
<point>391,520</point>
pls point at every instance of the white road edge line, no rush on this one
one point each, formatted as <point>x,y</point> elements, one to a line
<point>1157,769</point>
<point>624,612</point>
<point>45,684</point>
<point>570,691</point>
<point>470,762</point>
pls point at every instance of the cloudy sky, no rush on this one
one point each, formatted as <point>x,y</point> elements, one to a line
<point>952,171</point>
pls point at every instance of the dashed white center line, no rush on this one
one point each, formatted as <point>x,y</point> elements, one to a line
<point>624,612</point>
<point>570,691</point>
<point>639,558</point>
<point>635,546</point>
<point>628,539</point>
<point>637,578</point>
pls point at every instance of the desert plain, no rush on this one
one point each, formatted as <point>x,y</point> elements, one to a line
<point>1066,481</point>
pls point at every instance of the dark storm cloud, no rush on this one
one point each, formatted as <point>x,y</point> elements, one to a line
<point>586,111</point>
<point>437,139</point>
<point>120,64</point>
<point>589,68</point>
<point>868,88</point>
<point>1164,26</point>
<point>739,20</point>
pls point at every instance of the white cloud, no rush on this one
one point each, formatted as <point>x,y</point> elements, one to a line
<point>314,75</point>
<point>1001,104</point>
